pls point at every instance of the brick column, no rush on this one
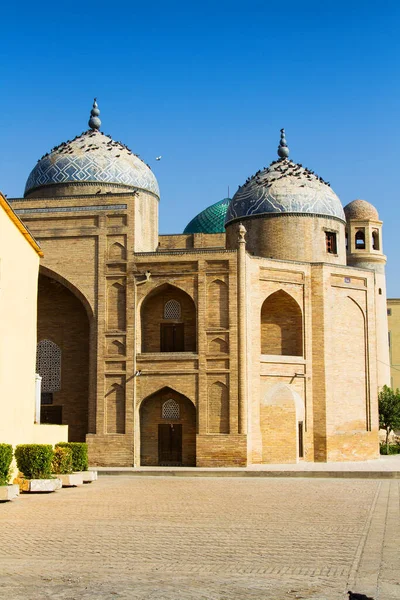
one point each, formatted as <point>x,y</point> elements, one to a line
<point>242,350</point>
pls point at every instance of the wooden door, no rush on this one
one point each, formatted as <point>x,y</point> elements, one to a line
<point>172,337</point>
<point>170,445</point>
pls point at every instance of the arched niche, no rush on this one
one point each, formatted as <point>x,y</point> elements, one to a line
<point>115,348</point>
<point>165,330</point>
<point>218,408</point>
<point>167,437</point>
<point>281,326</point>
<point>218,346</point>
<point>116,306</point>
<point>115,409</point>
<point>116,251</point>
<point>217,305</point>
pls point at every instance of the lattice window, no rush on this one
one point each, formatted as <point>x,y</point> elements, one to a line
<point>170,410</point>
<point>48,365</point>
<point>172,310</point>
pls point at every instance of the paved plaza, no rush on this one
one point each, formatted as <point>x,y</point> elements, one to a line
<point>211,538</point>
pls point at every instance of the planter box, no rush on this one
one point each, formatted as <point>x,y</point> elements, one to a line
<point>70,479</point>
<point>89,476</point>
<point>8,492</point>
<point>38,485</point>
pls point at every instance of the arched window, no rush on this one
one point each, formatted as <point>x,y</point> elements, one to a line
<point>360,239</point>
<point>170,410</point>
<point>375,240</point>
<point>48,365</point>
<point>172,310</point>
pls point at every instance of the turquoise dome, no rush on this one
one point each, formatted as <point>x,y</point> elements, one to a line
<point>92,157</point>
<point>210,220</point>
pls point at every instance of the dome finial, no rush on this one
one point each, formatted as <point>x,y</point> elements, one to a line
<point>283,150</point>
<point>94,121</point>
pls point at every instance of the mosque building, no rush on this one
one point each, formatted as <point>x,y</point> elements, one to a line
<point>259,335</point>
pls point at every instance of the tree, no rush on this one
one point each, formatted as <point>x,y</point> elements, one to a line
<point>389,411</point>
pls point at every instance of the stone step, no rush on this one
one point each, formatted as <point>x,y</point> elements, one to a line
<point>165,472</point>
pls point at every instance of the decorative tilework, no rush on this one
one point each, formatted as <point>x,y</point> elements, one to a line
<point>210,220</point>
<point>284,187</point>
<point>56,209</point>
<point>92,157</point>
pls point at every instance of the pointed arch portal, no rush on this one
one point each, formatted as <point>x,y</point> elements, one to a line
<point>167,430</point>
<point>63,326</point>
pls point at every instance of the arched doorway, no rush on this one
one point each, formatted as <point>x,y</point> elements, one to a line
<point>63,334</point>
<point>167,430</point>
<point>168,321</point>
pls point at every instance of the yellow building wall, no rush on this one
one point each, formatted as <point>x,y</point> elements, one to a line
<point>19,265</point>
<point>393,305</point>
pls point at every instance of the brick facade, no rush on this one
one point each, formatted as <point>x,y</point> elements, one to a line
<point>270,348</point>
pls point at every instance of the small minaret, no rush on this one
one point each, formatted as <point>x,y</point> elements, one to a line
<point>364,250</point>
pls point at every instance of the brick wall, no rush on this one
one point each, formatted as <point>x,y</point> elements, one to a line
<point>221,450</point>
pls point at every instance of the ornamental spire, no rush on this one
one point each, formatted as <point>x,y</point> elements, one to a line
<point>94,121</point>
<point>283,150</point>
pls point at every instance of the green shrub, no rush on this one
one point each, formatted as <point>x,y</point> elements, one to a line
<point>79,454</point>
<point>393,449</point>
<point>6,454</point>
<point>62,460</point>
<point>34,460</point>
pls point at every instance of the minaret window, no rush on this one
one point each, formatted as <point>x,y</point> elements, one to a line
<point>330,241</point>
<point>375,240</point>
<point>360,239</point>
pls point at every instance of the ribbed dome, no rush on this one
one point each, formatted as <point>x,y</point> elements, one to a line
<point>92,157</point>
<point>361,210</point>
<point>210,220</point>
<point>284,187</point>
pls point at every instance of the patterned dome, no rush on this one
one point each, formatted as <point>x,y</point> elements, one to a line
<point>284,187</point>
<point>210,220</point>
<point>92,157</point>
<point>361,210</point>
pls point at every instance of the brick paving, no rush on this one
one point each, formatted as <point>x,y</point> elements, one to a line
<point>189,538</point>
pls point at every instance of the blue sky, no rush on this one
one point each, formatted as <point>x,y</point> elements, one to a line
<point>208,85</point>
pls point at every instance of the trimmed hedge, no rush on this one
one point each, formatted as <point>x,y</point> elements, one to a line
<point>393,449</point>
<point>34,460</point>
<point>79,454</point>
<point>6,454</point>
<point>62,461</point>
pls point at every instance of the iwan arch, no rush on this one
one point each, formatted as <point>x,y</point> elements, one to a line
<point>259,335</point>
